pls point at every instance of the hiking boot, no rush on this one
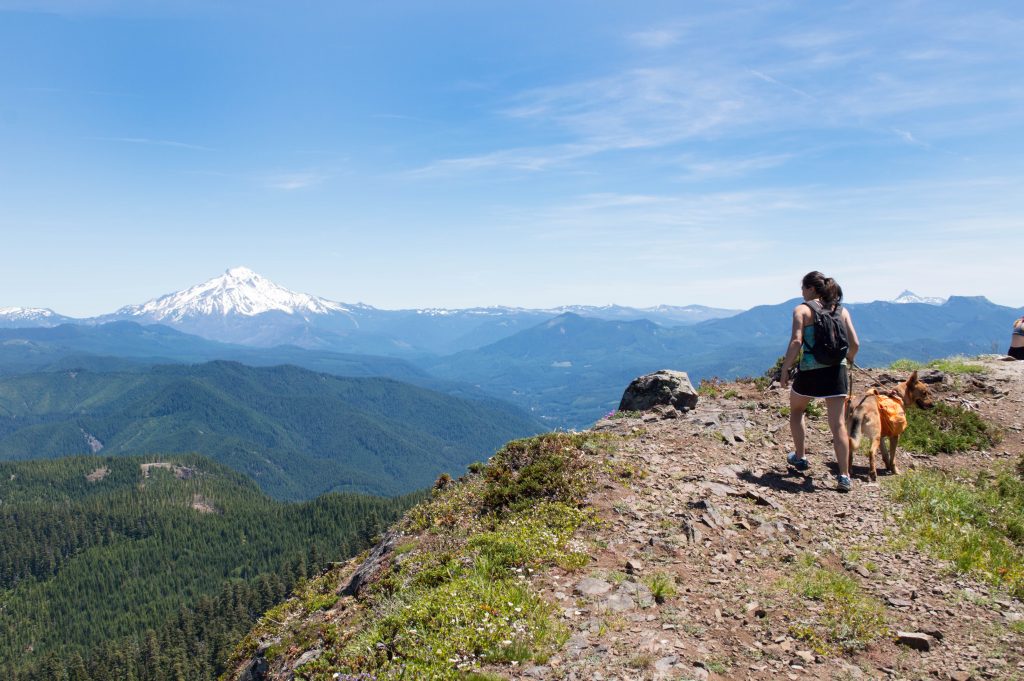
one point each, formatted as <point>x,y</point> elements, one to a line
<point>843,483</point>
<point>801,464</point>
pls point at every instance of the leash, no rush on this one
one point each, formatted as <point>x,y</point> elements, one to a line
<point>849,390</point>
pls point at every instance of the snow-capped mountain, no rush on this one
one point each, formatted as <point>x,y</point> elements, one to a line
<point>22,317</point>
<point>239,291</point>
<point>911,297</point>
<point>240,306</point>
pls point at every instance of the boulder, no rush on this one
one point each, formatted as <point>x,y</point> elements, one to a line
<point>662,387</point>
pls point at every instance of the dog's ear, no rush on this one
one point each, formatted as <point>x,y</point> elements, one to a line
<point>913,378</point>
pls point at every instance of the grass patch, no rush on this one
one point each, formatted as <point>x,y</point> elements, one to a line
<point>850,620</point>
<point>906,365</point>
<point>624,414</point>
<point>947,429</point>
<point>716,666</point>
<point>641,661</point>
<point>977,525</point>
<point>949,365</point>
<point>462,599</point>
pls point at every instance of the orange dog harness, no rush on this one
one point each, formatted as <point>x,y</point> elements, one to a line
<point>893,416</point>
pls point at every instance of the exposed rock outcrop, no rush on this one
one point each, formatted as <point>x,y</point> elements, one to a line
<point>664,387</point>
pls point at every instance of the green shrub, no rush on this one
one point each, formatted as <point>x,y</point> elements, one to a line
<point>710,387</point>
<point>547,467</point>
<point>947,429</point>
<point>662,586</point>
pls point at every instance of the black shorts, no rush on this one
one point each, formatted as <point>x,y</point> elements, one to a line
<point>1016,353</point>
<point>825,382</point>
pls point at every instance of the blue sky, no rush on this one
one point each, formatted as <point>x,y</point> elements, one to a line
<point>421,154</point>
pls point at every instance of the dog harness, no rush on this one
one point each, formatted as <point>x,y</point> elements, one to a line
<point>892,413</point>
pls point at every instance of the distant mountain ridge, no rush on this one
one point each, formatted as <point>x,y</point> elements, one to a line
<point>242,307</point>
<point>572,370</point>
<point>297,433</point>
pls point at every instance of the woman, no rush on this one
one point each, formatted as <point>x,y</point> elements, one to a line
<point>1017,340</point>
<point>815,380</point>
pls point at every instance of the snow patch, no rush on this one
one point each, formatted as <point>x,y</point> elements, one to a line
<point>911,297</point>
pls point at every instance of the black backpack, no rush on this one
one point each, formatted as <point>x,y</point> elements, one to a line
<point>830,341</point>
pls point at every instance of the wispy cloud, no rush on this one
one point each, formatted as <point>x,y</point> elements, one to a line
<point>909,138</point>
<point>858,72</point>
<point>656,38</point>
<point>731,167</point>
<point>155,142</point>
<point>775,81</point>
<point>294,181</point>
<point>531,159</point>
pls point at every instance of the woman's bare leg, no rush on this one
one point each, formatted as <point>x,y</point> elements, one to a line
<point>840,440</point>
<point>797,406</point>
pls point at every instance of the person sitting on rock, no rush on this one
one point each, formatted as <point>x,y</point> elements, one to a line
<point>1017,340</point>
<point>814,379</point>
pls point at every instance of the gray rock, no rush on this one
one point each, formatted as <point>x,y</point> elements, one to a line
<point>620,602</point>
<point>916,640</point>
<point>693,533</point>
<point>577,645</point>
<point>256,670</point>
<point>588,586</point>
<point>664,666</point>
<point>662,387</point>
<point>639,592</point>
<point>370,566</point>
<point>307,656</point>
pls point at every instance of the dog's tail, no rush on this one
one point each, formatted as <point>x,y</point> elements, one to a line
<point>854,428</point>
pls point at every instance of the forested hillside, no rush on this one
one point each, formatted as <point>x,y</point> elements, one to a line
<point>296,432</point>
<point>123,567</point>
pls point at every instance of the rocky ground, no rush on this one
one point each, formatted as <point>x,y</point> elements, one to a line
<point>707,498</point>
<point>703,500</point>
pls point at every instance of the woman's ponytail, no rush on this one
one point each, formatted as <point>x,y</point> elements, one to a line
<point>826,288</point>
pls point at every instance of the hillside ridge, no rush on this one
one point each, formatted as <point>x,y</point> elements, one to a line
<point>696,561</point>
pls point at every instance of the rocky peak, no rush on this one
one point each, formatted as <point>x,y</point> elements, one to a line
<point>701,562</point>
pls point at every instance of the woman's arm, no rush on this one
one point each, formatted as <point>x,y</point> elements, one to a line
<point>796,339</point>
<point>851,336</point>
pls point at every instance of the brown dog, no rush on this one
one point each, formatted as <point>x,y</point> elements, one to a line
<point>865,419</point>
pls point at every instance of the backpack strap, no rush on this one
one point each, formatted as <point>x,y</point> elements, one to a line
<point>815,311</point>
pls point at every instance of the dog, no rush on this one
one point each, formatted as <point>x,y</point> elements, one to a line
<point>866,420</point>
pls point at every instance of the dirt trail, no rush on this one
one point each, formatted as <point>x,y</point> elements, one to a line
<point>708,499</point>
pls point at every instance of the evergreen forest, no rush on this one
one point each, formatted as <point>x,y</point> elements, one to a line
<point>150,568</point>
